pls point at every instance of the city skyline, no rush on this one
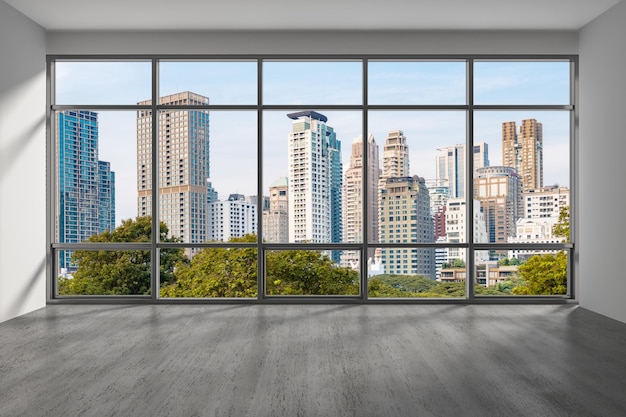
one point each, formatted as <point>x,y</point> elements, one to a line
<point>234,133</point>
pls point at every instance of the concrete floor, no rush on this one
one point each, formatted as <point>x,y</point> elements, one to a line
<point>313,360</point>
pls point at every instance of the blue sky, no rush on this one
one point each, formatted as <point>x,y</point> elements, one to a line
<point>234,133</point>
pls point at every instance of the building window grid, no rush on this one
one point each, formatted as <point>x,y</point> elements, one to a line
<point>145,130</point>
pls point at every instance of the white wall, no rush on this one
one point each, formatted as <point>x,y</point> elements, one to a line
<point>602,221</point>
<point>313,42</point>
<point>22,164</point>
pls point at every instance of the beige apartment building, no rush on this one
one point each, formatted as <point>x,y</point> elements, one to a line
<point>523,150</point>
<point>183,156</point>
<point>276,218</point>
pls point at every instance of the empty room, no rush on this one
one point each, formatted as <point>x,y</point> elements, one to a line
<point>309,250</point>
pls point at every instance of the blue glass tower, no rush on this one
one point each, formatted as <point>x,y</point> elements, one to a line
<point>85,185</point>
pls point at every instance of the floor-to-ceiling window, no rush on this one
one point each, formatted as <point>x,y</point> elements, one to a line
<point>283,178</point>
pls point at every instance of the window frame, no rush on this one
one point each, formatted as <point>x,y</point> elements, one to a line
<point>155,246</point>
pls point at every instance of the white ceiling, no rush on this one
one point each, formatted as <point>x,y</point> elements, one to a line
<point>312,15</point>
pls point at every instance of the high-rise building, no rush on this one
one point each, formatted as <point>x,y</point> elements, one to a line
<point>106,196</point>
<point>234,217</point>
<point>523,150</point>
<point>353,197</point>
<point>498,189</point>
<point>404,213</point>
<point>183,141</point>
<point>405,218</point>
<point>457,229</point>
<point>276,217</point>
<point>439,195</point>
<point>395,156</point>
<point>315,181</point>
<point>450,166</point>
<point>85,185</point>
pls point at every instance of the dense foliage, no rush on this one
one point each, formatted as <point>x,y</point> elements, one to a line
<point>232,272</point>
<point>121,272</point>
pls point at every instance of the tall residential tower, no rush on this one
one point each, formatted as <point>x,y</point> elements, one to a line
<point>523,150</point>
<point>315,180</point>
<point>183,169</point>
<point>85,185</point>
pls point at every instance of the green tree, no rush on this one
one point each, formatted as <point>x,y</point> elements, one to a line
<point>561,228</point>
<point>407,283</point>
<point>543,275</point>
<point>509,262</point>
<point>455,264</point>
<point>121,272</point>
<point>377,288</point>
<point>217,272</point>
<point>308,272</point>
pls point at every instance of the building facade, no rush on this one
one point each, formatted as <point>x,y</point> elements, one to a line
<point>546,202</point>
<point>405,218</point>
<point>523,150</point>
<point>276,217</point>
<point>184,190</point>
<point>451,166</point>
<point>498,190</point>
<point>85,188</point>
<point>234,217</point>
<point>315,180</point>
<point>353,194</point>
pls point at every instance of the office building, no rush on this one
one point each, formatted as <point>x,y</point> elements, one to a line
<point>234,217</point>
<point>498,190</point>
<point>405,218</point>
<point>457,230</point>
<point>184,190</point>
<point>353,192</point>
<point>276,217</point>
<point>451,163</point>
<point>315,180</point>
<point>523,150</point>
<point>439,195</point>
<point>85,200</point>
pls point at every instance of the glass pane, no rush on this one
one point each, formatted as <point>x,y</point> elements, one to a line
<point>202,197</point>
<point>524,193</point>
<point>102,82</point>
<point>421,174</point>
<point>312,82</point>
<point>211,273</point>
<point>416,82</point>
<point>104,272</point>
<point>220,82</point>
<point>417,272</point>
<point>96,156</point>
<point>522,82</point>
<point>312,272</point>
<point>307,176</point>
<point>523,272</point>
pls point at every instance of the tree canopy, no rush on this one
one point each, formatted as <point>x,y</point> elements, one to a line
<point>561,228</point>
<point>121,272</point>
<point>543,275</point>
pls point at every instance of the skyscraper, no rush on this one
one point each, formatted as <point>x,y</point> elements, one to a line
<point>498,190</point>
<point>183,166</point>
<point>106,196</point>
<point>353,191</point>
<point>276,217</point>
<point>450,166</point>
<point>523,151</point>
<point>85,185</point>
<point>404,212</point>
<point>405,218</point>
<point>315,180</point>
